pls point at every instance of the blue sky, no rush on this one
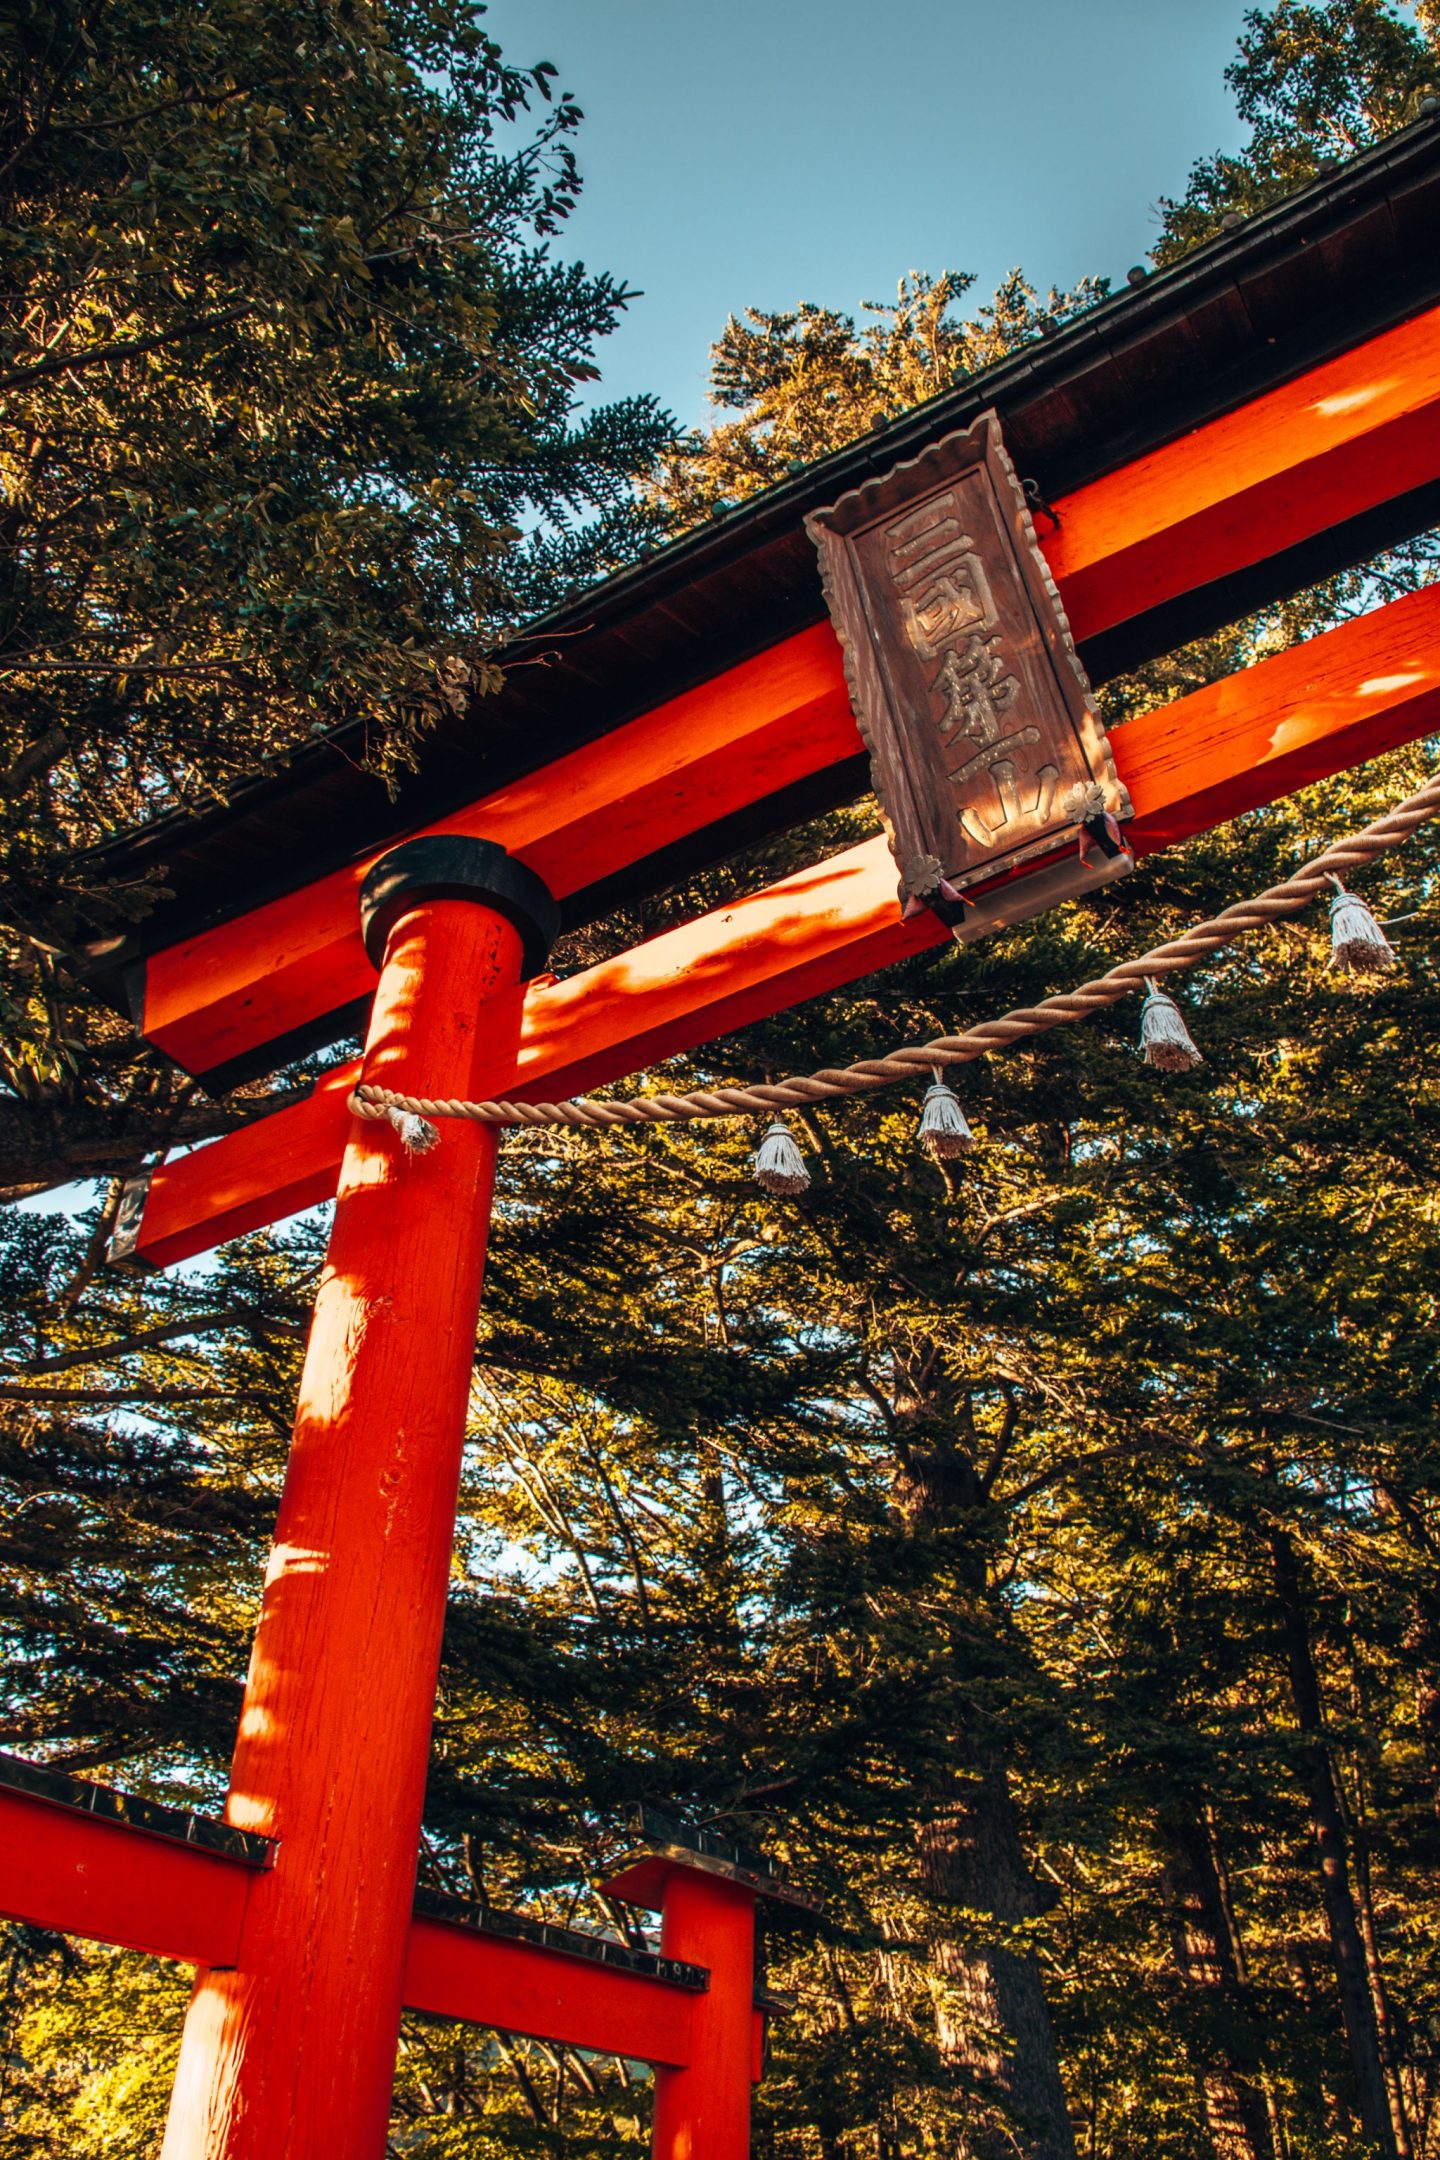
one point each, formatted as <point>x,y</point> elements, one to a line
<point>783,150</point>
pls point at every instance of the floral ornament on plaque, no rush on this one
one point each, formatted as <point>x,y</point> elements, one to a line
<point>986,750</point>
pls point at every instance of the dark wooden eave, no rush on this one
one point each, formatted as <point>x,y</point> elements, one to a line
<point>1347,257</point>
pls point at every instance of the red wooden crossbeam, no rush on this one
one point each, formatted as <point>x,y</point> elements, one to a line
<point>1356,432</point>
<point>756,729</point>
<point>1336,441</point>
<point>84,1875</point>
<point>528,1988</point>
<point>1362,688</point>
<point>115,1882</point>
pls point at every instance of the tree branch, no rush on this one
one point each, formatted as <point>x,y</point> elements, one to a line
<point>36,758</point>
<point>121,348</point>
<point>150,1338</point>
<point>12,1392</point>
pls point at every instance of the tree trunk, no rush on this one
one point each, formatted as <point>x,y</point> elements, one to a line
<point>1227,2060</point>
<point>1280,2143</point>
<point>1421,1640</point>
<point>1001,2036</point>
<point>1421,1644</point>
<point>1370,1937</point>
<point>1346,1943</point>
<point>1000,2039</point>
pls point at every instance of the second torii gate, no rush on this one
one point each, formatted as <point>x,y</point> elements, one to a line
<point>1273,455</point>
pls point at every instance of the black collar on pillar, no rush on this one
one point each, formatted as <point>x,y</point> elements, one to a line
<point>451,867</point>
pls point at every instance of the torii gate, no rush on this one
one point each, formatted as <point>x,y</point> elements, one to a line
<point>1221,434</point>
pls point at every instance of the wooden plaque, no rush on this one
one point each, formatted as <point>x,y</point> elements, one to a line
<point>985,746</point>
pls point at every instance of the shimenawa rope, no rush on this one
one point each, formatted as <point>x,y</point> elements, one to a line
<point>371,1101</point>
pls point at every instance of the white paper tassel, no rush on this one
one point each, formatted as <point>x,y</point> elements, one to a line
<point>1357,941</point>
<point>944,1129</point>
<point>417,1134</point>
<point>1164,1038</point>
<point>779,1165</point>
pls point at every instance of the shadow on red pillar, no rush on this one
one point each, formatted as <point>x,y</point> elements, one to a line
<point>291,2052</point>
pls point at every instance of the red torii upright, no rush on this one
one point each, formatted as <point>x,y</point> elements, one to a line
<point>1199,462</point>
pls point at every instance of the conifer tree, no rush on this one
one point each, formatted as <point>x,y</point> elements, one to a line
<point>290,354</point>
<point>1038,1551</point>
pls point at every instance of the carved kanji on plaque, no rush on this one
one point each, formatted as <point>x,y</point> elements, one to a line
<point>985,747</point>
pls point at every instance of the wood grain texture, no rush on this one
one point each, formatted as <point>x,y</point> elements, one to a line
<point>986,750</point>
<point>1335,442</point>
<point>1360,689</point>
<point>298,2035</point>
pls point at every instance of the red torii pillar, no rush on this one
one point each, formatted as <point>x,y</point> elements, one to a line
<point>707,1917</point>
<point>291,2051</point>
<point>703,2111</point>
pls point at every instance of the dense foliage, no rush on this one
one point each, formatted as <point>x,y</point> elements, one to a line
<point>1316,80</point>
<point>807,380</point>
<point>1039,1551</point>
<point>288,362</point>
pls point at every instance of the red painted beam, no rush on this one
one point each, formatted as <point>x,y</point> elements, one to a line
<point>61,1868</point>
<point>1360,689</point>
<point>1363,688</point>
<point>752,731</point>
<point>820,928</point>
<point>704,2107</point>
<point>114,1882</point>
<point>546,1994</point>
<point>1325,447</point>
<point>1358,431</point>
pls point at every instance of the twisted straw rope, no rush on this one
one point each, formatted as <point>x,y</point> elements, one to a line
<point>370,1101</point>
